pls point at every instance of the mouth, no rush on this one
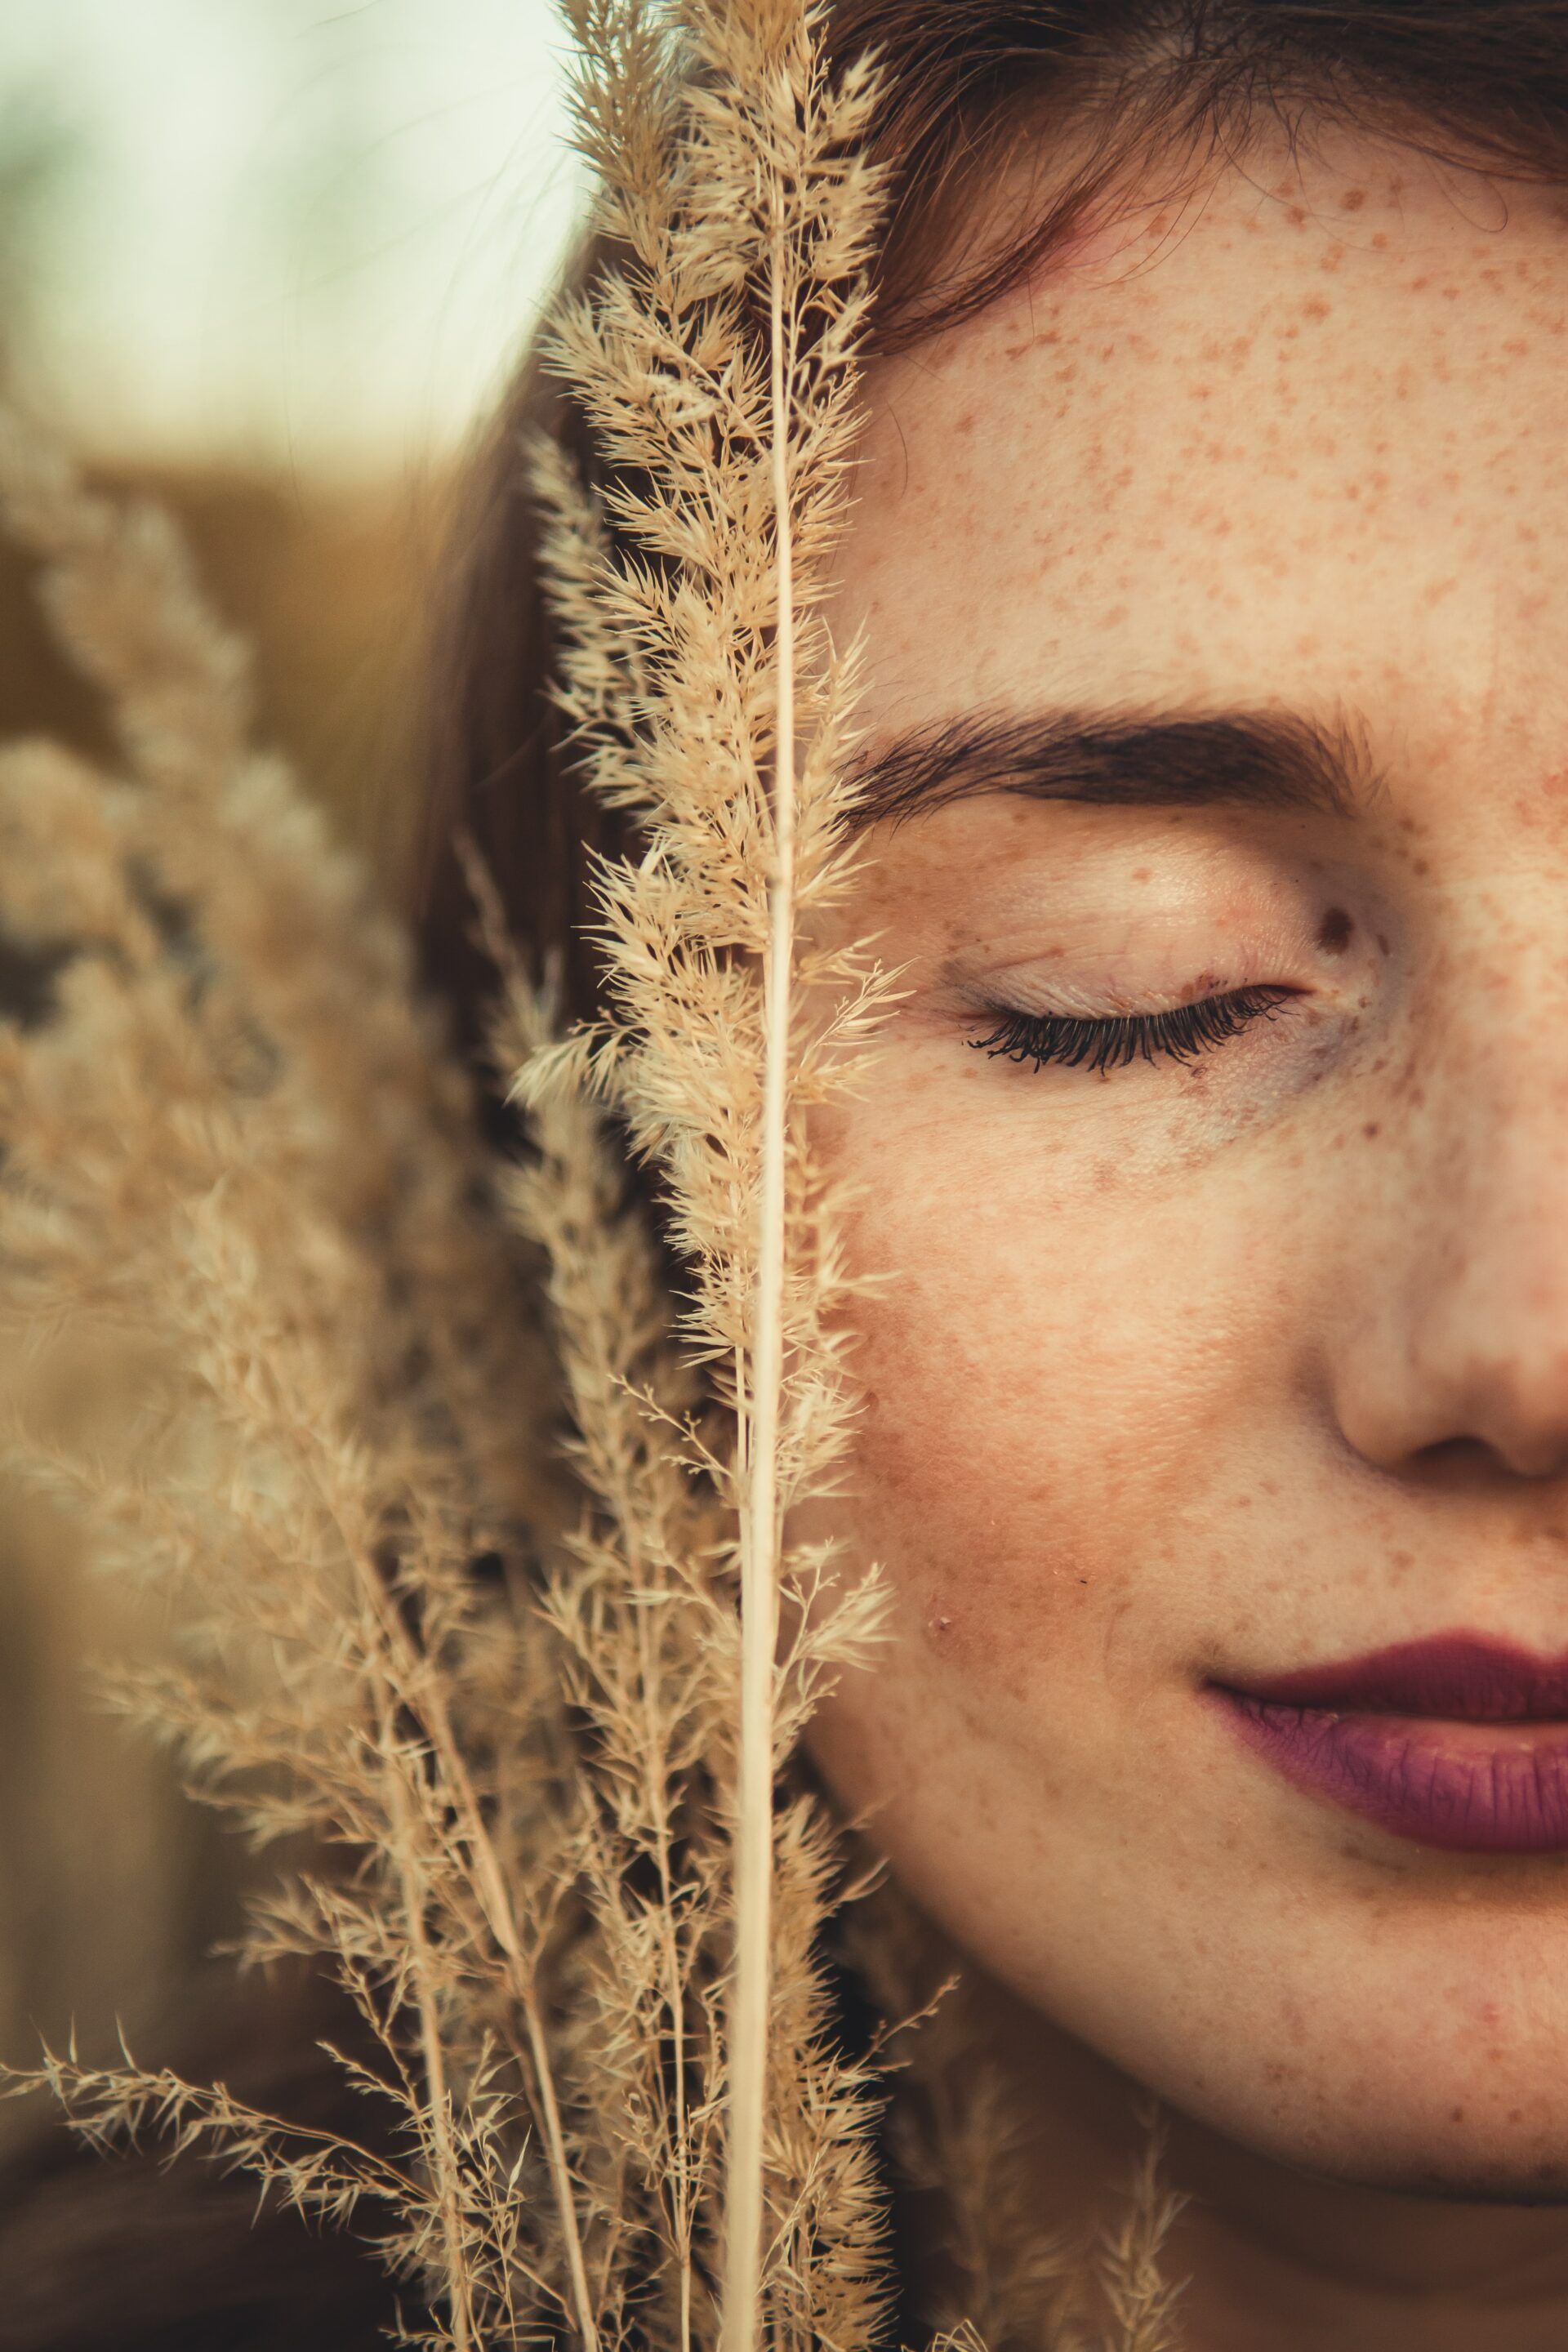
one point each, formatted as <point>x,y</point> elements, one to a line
<point>1458,1741</point>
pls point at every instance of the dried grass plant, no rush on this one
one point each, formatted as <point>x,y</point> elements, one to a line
<point>542,1745</point>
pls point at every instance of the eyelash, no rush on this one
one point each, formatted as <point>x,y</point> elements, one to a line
<point>1073,1042</point>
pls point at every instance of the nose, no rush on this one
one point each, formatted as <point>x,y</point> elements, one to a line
<point>1454,1325</point>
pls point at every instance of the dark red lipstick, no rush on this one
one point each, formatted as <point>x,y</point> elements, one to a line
<point>1458,1741</point>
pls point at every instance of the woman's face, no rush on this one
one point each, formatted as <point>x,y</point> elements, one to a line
<point>1223,1343</point>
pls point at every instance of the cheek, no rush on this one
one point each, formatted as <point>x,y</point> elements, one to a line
<point>1043,1435</point>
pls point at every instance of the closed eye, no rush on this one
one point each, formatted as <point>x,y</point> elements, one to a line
<point>1078,1042</point>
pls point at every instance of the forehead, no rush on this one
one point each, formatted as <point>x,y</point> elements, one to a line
<point>1304,437</point>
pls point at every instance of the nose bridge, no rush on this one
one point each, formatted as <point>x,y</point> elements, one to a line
<point>1498,1187</point>
<point>1488,1329</point>
<point>1463,1331</point>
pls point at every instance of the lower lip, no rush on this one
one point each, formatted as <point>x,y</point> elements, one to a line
<point>1473,1787</point>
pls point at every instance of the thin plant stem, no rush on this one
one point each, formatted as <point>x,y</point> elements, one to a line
<point>587,2326</point>
<point>496,1901</point>
<point>760,1553</point>
<point>671,1952</point>
<point>435,2070</point>
<point>422,1695</point>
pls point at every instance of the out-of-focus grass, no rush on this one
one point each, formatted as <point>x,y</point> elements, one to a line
<point>112,1886</point>
<point>332,589</point>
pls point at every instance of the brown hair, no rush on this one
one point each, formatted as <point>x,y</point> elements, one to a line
<point>1150,90</point>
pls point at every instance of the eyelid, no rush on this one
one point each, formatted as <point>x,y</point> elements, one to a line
<point>1139,936</point>
<point>1129,964</point>
<point>1069,1002</point>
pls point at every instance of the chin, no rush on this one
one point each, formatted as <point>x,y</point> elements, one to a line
<point>1454,2176</point>
<point>1487,2150</point>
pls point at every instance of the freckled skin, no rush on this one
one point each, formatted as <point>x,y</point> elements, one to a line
<point>1259,1360</point>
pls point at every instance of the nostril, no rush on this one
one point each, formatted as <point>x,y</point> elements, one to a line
<point>1537,1450</point>
<point>1455,1462</point>
<point>1455,1456</point>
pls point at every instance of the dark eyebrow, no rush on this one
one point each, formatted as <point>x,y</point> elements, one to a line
<point>1257,758</point>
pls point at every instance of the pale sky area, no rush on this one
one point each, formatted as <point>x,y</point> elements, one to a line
<point>282,230</point>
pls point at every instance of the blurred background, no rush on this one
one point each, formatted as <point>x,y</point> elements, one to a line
<point>272,258</point>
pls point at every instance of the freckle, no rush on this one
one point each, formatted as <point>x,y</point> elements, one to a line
<point>1316,309</point>
<point>1335,931</point>
<point>1456,2115</point>
<point>965,423</point>
<point>1295,214</point>
<point>1372,1130</point>
<point>1352,200</point>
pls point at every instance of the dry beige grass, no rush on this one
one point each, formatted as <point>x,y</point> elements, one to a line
<point>561,1860</point>
<point>112,1887</point>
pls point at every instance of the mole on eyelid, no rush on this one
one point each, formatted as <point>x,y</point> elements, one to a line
<point>1334,931</point>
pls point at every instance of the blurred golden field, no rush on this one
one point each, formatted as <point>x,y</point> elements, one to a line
<point>332,589</point>
<point>114,1887</point>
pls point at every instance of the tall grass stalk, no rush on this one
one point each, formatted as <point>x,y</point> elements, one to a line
<point>759,1578</point>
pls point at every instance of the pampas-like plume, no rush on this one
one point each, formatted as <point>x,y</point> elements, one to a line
<point>1143,2303</point>
<point>715,362</point>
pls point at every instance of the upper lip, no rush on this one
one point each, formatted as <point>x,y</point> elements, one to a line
<point>1464,1676</point>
